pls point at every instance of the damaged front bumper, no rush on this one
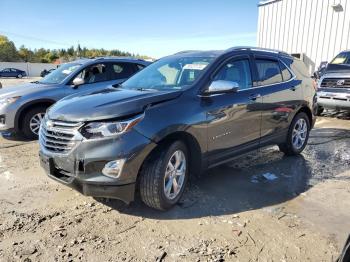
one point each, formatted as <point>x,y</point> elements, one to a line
<point>81,169</point>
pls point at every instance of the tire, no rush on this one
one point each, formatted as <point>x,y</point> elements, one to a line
<point>289,148</point>
<point>319,110</point>
<point>154,178</point>
<point>19,76</point>
<point>27,120</point>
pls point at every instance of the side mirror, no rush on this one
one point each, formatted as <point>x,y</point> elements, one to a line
<point>222,86</point>
<point>78,81</point>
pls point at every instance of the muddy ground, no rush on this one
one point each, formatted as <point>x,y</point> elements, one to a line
<point>232,213</point>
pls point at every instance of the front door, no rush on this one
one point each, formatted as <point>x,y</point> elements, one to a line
<point>234,119</point>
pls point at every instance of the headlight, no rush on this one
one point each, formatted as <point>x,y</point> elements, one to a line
<point>8,100</point>
<point>108,129</point>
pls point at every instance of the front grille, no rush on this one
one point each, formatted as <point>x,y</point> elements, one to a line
<point>336,82</point>
<point>59,136</point>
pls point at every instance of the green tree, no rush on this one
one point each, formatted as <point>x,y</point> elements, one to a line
<point>8,51</point>
<point>25,54</point>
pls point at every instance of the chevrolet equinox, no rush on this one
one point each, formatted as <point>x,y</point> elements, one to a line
<point>182,114</point>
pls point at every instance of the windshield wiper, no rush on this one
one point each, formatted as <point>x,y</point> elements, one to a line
<point>146,89</point>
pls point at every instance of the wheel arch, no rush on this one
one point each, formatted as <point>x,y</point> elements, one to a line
<point>308,112</point>
<point>194,149</point>
<point>24,108</point>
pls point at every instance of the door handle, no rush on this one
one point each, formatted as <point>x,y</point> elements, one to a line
<point>254,97</point>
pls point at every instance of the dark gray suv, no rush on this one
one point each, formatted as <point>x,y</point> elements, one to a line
<point>23,107</point>
<point>180,115</point>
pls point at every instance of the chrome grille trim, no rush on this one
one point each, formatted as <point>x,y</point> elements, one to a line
<point>332,82</point>
<point>59,137</point>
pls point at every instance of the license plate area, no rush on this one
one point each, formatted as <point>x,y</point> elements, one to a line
<point>47,163</point>
<point>49,166</point>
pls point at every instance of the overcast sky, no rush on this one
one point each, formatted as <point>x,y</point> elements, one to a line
<point>150,27</point>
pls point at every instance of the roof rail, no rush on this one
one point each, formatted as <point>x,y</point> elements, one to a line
<point>258,49</point>
<point>186,51</point>
<point>115,57</point>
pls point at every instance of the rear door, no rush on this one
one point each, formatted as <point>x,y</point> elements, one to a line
<point>281,94</point>
<point>14,72</point>
<point>233,118</point>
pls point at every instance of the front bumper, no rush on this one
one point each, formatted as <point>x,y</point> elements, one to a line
<point>334,100</point>
<point>7,119</point>
<point>81,169</point>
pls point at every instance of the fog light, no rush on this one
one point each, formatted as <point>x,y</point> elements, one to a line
<point>113,168</point>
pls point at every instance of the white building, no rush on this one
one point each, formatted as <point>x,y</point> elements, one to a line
<point>316,29</point>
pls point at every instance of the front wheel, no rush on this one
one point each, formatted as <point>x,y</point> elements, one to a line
<point>19,76</point>
<point>298,135</point>
<point>164,176</point>
<point>32,121</point>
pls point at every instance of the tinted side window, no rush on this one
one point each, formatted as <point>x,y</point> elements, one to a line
<point>139,67</point>
<point>121,71</point>
<point>94,74</point>
<point>286,75</point>
<point>236,71</point>
<point>269,72</point>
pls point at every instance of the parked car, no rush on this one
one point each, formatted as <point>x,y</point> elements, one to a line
<point>334,85</point>
<point>321,70</point>
<point>23,107</point>
<point>46,72</point>
<point>182,114</point>
<point>12,72</point>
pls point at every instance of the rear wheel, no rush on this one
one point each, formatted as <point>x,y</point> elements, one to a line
<point>164,176</point>
<point>298,135</point>
<point>31,122</point>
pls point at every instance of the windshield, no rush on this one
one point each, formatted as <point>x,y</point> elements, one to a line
<point>169,73</point>
<point>342,58</point>
<point>58,75</point>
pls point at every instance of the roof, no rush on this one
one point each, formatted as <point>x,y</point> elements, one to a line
<point>195,53</point>
<point>110,59</point>
<point>215,53</point>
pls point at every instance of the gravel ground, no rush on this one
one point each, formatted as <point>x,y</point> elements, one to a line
<point>232,213</point>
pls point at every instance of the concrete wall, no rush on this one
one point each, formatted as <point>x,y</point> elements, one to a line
<point>32,69</point>
<point>312,27</point>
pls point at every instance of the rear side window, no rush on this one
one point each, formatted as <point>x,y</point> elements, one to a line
<point>121,71</point>
<point>269,71</point>
<point>139,67</point>
<point>286,74</point>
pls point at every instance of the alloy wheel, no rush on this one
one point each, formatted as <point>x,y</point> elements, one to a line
<point>175,175</point>
<point>35,121</point>
<point>299,133</point>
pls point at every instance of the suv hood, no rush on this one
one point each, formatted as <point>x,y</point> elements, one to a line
<point>337,68</point>
<point>21,90</point>
<point>107,104</point>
